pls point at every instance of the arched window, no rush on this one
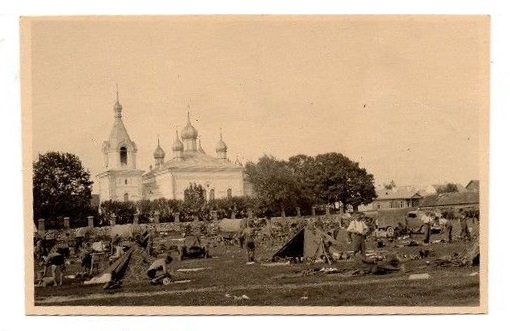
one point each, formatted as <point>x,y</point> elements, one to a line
<point>229,193</point>
<point>125,181</point>
<point>211,194</point>
<point>123,156</point>
<point>126,197</point>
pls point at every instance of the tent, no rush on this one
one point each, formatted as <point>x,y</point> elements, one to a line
<point>131,267</point>
<point>306,244</point>
<point>125,230</point>
<point>231,225</point>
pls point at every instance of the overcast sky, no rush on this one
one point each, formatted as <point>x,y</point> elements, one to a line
<point>402,96</point>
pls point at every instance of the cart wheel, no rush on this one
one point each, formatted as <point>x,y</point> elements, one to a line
<point>166,281</point>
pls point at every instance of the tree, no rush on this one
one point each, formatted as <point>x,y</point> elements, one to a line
<point>332,177</point>
<point>275,184</point>
<point>123,211</point>
<point>390,186</point>
<point>194,201</point>
<point>450,187</point>
<point>61,186</point>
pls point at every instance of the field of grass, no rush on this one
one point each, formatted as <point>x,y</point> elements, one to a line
<point>227,277</point>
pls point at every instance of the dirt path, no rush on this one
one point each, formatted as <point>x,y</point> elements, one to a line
<point>100,296</point>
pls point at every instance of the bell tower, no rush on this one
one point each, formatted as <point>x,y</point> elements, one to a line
<point>120,180</point>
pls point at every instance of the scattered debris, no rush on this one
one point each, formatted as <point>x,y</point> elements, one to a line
<point>235,297</point>
<point>473,274</point>
<point>275,264</point>
<point>182,281</point>
<point>193,269</point>
<point>251,262</point>
<point>304,298</point>
<point>419,276</point>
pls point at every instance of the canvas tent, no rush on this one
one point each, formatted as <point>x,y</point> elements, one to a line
<point>231,225</point>
<point>306,244</point>
<point>125,230</point>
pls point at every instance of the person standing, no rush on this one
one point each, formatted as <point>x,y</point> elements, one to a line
<point>464,229</point>
<point>357,232</point>
<point>427,220</point>
<point>248,237</point>
<point>448,226</point>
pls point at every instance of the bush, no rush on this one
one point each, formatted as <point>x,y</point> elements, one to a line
<point>123,211</point>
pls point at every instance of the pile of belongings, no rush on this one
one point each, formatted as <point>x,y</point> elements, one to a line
<point>470,257</point>
<point>391,263</point>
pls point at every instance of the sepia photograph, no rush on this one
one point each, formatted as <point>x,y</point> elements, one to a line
<point>244,164</point>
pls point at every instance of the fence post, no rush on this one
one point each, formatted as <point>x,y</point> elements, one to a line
<point>90,220</point>
<point>113,220</point>
<point>298,212</point>
<point>40,225</point>
<point>313,211</point>
<point>135,218</point>
<point>214,215</point>
<point>176,217</point>
<point>67,224</point>
<point>328,211</point>
<point>156,217</point>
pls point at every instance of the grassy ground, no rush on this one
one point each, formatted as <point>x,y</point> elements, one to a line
<point>227,278</point>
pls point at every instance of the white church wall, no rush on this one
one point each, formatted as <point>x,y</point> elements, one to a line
<point>219,181</point>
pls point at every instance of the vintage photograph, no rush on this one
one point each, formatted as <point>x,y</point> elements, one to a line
<point>255,164</point>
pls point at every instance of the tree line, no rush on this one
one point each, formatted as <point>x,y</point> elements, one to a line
<point>62,187</point>
<point>305,181</point>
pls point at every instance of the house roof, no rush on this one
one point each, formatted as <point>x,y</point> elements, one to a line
<point>473,185</point>
<point>398,194</point>
<point>195,161</point>
<point>451,199</point>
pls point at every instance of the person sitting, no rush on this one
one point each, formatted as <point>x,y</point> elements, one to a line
<point>159,267</point>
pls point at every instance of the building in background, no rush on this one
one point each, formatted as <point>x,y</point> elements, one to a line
<point>398,197</point>
<point>120,180</point>
<point>473,186</point>
<point>188,164</point>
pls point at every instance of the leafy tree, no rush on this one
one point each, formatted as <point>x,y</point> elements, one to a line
<point>194,202</point>
<point>275,184</point>
<point>390,186</point>
<point>123,211</point>
<point>333,177</point>
<point>305,170</point>
<point>448,188</point>
<point>61,187</point>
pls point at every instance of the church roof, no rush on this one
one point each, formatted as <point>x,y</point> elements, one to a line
<point>189,131</point>
<point>196,161</point>
<point>119,134</point>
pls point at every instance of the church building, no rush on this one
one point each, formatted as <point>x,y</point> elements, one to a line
<point>122,181</point>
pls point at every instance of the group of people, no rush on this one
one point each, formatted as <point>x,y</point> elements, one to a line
<point>430,217</point>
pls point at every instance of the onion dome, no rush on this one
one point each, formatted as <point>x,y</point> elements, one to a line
<point>177,145</point>
<point>189,132</point>
<point>117,107</point>
<point>159,153</point>
<point>221,146</point>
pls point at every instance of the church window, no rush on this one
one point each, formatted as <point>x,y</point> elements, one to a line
<point>125,181</point>
<point>126,197</point>
<point>229,193</point>
<point>211,194</point>
<point>123,156</point>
